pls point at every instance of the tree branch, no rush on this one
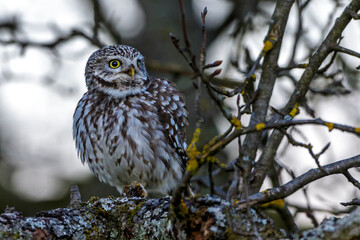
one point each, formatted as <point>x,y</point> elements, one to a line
<point>287,189</point>
<point>267,81</point>
<point>137,218</point>
<point>302,86</point>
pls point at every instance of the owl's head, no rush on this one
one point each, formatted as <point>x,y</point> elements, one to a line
<point>117,70</point>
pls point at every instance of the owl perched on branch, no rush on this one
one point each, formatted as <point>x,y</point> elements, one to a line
<point>129,127</point>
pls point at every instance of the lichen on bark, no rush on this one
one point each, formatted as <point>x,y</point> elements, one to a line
<point>138,218</point>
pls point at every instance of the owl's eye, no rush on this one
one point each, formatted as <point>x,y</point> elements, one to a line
<point>139,63</point>
<point>114,63</point>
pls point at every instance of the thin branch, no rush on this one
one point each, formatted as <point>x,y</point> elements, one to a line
<point>281,124</point>
<point>52,44</point>
<point>354,202</point>
<point>309,147</point>
<point>203,39</point>
<point>183,24</point>
<point>310,176</point>
<point>300,208</point>
<point>338,48</point>
<point>351,179</point>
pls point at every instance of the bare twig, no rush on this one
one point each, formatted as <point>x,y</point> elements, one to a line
<point>52,44</point>
<point>354,202</point>
<point>300,208</point>
<point>338,48</point>
<point>351,179</point>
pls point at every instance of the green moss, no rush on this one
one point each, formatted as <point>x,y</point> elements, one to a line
<point>93,199</point>
<point>134,211</point>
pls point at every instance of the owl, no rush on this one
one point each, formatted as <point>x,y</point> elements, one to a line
<point>129,127</point>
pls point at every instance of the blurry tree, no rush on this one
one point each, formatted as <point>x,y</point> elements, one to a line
<point>236,88</point>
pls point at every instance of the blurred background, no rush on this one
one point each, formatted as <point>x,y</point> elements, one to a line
<point>44,46</point>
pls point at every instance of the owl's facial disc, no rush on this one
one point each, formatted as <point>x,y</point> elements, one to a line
<point>120,76</point>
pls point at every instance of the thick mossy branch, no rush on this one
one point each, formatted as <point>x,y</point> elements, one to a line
<point>138,218</point>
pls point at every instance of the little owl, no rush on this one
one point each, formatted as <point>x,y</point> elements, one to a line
<point>129,127</point>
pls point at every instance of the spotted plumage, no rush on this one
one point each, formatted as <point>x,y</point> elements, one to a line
<point>130,127</point>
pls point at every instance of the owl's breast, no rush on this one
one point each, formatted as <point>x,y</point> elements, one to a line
<point>123,140</point>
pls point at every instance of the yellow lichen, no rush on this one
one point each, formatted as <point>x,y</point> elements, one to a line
<point>329,125</point>
<point>294,111</point>
<point>212,159</point>
<point>268,45</point>
<point>222,165</point>
<point>242,92</point>
<point>210,143</point>
<point>183,209</point>
<point>278,203</point>
<point>193,164</point>
<point>253,76</point>
<point>195,139</point>
<point>357,129</point>
<point>260,126</point>
<point>192,152</point>
<point>237,123</point>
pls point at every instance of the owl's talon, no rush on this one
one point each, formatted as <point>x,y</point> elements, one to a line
<point>135,190</point>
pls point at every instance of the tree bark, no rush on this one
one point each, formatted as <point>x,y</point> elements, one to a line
<point>139,218</point>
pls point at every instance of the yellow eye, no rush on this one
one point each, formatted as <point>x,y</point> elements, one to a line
<point>139,63</point>
<point>114,63</point>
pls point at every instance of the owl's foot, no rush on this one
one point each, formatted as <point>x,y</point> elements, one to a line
<point>135,190</point>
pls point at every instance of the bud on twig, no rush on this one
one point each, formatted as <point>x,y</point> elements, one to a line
<point>214,73</point>
<point>174,40</point>
<point>214,64</point>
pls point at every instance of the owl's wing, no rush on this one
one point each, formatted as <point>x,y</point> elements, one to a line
<point>173,114</point>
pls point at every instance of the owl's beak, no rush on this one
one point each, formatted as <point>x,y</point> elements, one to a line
<point>131,71</point>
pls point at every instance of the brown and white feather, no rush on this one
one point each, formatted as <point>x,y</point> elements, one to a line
<point>130,130</point>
